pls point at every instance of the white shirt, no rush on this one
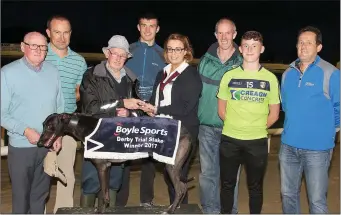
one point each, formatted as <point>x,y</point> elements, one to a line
<point>167,91</point>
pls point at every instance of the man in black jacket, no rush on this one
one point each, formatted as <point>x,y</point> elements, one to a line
<point>104,84</point>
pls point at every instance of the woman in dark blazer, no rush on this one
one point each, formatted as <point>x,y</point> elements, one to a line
<point>176,93</point>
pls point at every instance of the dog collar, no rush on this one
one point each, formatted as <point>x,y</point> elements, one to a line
<point>73,121</point>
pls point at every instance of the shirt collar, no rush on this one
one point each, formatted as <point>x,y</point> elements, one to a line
<point>50,51</point>
<point>260,68</point>
<point>297,62</point>
<point>179,69</point>
<point>30,66</point>
<point>122,72</point>
<point>144,44</point>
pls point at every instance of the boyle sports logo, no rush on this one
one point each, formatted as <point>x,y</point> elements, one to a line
<point>248,95</point>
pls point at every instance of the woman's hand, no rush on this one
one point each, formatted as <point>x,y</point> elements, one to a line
<point>151,114</point>
<point>149,109</point>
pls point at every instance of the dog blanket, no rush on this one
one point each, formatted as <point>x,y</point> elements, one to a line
<point>133,138</point>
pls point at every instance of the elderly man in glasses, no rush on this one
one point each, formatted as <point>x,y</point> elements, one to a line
<point>106,82</point>
<point>30,91</point>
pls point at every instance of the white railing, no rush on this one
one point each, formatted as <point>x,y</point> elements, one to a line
<point>4,149</point>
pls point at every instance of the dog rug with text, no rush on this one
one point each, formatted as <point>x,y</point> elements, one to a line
<point>133,138</point>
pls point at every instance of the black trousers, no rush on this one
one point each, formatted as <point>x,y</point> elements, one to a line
<point>146,183</point>
<point>253,154</point>
<point>30,184</point>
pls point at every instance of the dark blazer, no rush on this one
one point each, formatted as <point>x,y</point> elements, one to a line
<point>185,96</point>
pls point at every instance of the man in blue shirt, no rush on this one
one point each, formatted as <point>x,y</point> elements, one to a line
<point>310,93</point>
<point>71,67</point>
<point>146,63</point>
<point>30,91</point>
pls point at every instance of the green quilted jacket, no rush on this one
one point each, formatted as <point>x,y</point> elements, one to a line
<point>211,71</point>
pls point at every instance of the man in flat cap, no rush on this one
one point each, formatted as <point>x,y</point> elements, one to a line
<point>107,82</point>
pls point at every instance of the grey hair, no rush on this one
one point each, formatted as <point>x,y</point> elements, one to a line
<point>34,33</point>
<point>224,20</point>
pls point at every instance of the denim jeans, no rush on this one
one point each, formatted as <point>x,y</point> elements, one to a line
<point>90,182</point>
<point>315,165</point>
<point>209,178</point>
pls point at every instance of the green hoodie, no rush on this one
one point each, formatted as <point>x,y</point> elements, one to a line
<point>212,70</point>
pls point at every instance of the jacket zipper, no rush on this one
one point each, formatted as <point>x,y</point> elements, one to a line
<point>301,74</point>
<point>144,65</point>
<point>299,82</point>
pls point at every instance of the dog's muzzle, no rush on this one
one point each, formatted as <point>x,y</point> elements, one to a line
<point>48,143</point>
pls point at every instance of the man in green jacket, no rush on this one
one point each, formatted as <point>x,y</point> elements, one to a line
<point>221,57</point>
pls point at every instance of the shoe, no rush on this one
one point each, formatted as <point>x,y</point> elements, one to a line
<point>147,204</point>
<point>88,200</point>
<point>112,196</point>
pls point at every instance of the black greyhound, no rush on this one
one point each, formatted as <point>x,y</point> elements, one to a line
<point>79,126</point>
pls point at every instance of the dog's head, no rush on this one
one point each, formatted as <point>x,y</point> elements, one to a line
<point>53,127</point>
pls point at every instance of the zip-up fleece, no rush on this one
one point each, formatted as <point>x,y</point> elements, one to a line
<point>311,102</point>
<point>146,63</point>
<point>211,71</point>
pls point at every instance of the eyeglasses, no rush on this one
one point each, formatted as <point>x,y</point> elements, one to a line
<point>115,54</point>
<point>35,46</point>
<point>176,50</point>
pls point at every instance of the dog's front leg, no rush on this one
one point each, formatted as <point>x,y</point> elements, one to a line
<point>103,175</point>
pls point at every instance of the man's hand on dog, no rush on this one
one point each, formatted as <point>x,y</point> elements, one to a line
<point>32,135</point>
<point>133,104</point>
<point>57,145</point>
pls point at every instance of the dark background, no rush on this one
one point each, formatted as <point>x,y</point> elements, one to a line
<point>94,22</point>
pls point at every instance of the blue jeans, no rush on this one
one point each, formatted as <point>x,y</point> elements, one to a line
<point>90,182</point>
<point>209,178</point>
<point>315,165</point>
